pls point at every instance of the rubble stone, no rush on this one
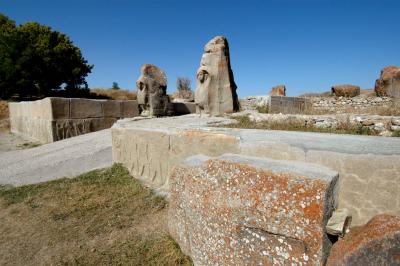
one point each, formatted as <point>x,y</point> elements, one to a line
<point>388,83</point>
<point>279,90</point>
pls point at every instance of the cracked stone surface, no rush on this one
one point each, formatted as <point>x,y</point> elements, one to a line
<point>242,210</point>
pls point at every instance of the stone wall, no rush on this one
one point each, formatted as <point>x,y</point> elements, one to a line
<point>381,125</point>
<point>368,166</point>
<point>53,119</point>
<point>288,105</point>
<point>341,104</point>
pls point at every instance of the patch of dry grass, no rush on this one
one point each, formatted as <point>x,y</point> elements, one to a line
<point>104,217</point>
<point>343,128</point>
<point>115,94</point>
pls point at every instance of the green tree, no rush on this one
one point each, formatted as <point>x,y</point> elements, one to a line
<point>37,61</point>
<point>115,86</point>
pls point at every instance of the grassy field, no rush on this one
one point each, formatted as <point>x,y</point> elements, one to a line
<point>104,217</point>
<point>115,94</point>
<point>344,128</point>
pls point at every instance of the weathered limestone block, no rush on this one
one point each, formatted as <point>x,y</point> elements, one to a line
<point>376,243</point>
<point>112,108</point>
<point>388,83</point>
<point>183,108</point>
<point>129,109</point>
<point>152,92</point>
<point>60,107</point>
<point>85,108</point>
<point>240,210</point>
<point>346,90</point>
<point>279,90</point>
<point>216,89</point>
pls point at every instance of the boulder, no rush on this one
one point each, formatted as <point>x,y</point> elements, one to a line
<point>376,243</point>
<point>215,88</point>
<point>388,83</point>
<point>279,90</point>
<point>152,92</point>
<point>345,90</point>
<point>243,210</point>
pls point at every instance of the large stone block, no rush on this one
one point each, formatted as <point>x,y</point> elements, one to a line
<point>241,210</point>
<point>112,109</point>
<point>60,107</point>
<point>129,109</point>
<point>376,243</point>
<point>184,108</point>
<point>85,108</point>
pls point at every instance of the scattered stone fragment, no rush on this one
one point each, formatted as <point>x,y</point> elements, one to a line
<point>216,89</point>
<point>279,90</point>
<point>339,223</point>
<point>376,243</point>
<point>388,83</point>
<point>345,90</point>
<point>242,210</point>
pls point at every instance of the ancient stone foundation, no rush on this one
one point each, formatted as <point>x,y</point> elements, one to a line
<point>241,210</point>
<point>369,167</point>
<point>53,119</point>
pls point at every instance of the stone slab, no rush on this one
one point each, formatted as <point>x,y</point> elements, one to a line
<point>112,109</point>
<point>241,210</point>
<point>129,109</point>
<point>184,108</point>
<point>85,108</point>
<point>368,165</point>
<point>60,107</point>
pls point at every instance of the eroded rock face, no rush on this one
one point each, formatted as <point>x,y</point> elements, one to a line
<point>345,90</point>
<point>152,92</point>
<point>242,210</point>
<point>388,83</point>
<point>216,89</point>
<point>376,243</point>
<point>279,90</point>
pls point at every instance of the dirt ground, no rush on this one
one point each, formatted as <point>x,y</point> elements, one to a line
<point>104,217</point>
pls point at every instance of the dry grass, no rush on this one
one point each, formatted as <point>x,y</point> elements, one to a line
<point>343,128</point>
<point>4,116</point>
<point>103,217</point>
<point>115,94</point>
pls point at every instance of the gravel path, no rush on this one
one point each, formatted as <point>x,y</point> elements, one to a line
<point>65,158</point>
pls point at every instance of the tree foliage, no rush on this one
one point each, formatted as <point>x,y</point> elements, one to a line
<point>115,86</point>
<point>36,61</point>
<point>183,84</point>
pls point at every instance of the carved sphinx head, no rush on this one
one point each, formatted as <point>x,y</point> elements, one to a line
<point>152,91</point>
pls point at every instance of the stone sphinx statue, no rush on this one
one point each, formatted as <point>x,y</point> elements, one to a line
<point>215,87</point>
<point>152,92</point>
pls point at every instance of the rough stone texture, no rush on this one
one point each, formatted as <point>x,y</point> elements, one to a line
<point>216,89</point>
<point>279,90</point>
<point>184,108</point>
<point>152,92</point>
<point>343,104</point>
<point>288,105</point>
<point>254,102</point>
<point>376,243</point>
<point>382,125</point>
<point>53,119</point>
<point>388,83</point>
<point>65,158</point>
<point>345,90</point>
<point>369,164</point>
<point>240,210</point>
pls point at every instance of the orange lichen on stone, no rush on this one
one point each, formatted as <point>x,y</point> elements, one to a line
<point>229,212</point>
<point>376,243</point>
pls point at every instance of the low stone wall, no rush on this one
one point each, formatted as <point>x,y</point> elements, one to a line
<point>368,166</point>
<point>242,210</point>
<point>53,119</point>
<point>341,104</point>
<point>382,125</point>
<point>288,105</point>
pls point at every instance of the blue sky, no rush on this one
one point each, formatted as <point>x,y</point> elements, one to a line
<point>306,45</point>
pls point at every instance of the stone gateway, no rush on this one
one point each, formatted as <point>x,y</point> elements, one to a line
<point>216,89</point>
